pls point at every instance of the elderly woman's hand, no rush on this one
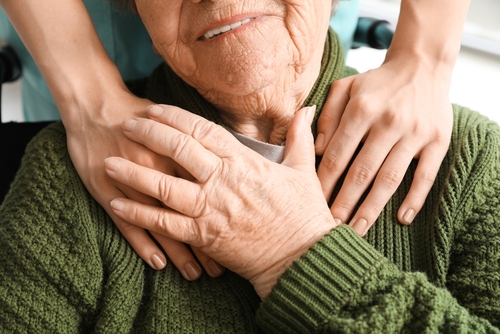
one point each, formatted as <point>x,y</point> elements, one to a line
<point>251,215</point>
<point>93,140</point>
<point>399,111</point>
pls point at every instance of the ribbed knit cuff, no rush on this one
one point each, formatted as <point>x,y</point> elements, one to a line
<point>318,284</point>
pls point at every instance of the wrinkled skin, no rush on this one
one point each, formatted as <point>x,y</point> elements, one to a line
<point>233,210</point>
<point>258,74</point>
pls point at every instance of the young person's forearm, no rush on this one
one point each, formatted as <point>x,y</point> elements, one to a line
<point>62,39</point>
<point>430,30</point>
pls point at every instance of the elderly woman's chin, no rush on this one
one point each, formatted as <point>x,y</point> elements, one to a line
<point>250,64</point>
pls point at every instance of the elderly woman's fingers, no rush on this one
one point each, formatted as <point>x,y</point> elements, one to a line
<point>159,220</point>
<point>179,253</point>
<point>216,214</point>
<point>210,135</point>
<point>178,194</point>
<point>423,180</point>
<point>329,119</point>
<point>167,141</point>
<point>299,152</point>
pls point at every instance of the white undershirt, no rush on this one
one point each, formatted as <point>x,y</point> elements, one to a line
<point>274,153</point>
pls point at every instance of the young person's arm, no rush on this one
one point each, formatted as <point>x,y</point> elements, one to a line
<point>400,111</point>
<point>93,101</point>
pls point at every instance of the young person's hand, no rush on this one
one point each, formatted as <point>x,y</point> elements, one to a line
<point>90,143</point>
<point>398,112</point>
<point>93,101</point>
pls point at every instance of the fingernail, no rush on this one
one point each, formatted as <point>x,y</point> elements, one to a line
<point>158,262</point>
<point>338,221</point>
<point>155,110</point>
<point>360,226</point>
<point>310,112</point>
<point>112,164</point>
<point>320,140</point>
<point>117,204</point>
<point>192,271</point>
<point>215,268</point>
<point>129,124</point>
<point>409,216</point>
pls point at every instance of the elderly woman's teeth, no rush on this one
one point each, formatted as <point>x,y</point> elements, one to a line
<point>218,31</point>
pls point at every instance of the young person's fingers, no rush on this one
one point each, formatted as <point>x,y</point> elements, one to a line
<point>425,174</point>
<point>340,151</point>
<point>212,268</point>
<point>329,119</point>
<point>386,182</point>
<point>180,256</point>
<point>179,253</point>
<point>361,174</point>
<point>137,237</point>
<point>141,242</point>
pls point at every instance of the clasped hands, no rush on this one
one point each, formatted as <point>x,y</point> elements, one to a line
<point>392,138</point>
<point>251,215</point>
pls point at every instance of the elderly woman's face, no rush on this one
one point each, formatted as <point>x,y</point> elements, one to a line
<point>236,46</point>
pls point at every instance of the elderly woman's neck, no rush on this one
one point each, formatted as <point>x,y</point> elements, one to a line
<point>266,116</point>
<point>264,122</point>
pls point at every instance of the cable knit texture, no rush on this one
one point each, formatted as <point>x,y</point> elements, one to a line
<point>65,267</point>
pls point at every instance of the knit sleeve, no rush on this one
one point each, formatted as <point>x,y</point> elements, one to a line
<point>53,246</point>
<point>343,284</point>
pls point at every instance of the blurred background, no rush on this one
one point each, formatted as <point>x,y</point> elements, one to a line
<point>476,78</point>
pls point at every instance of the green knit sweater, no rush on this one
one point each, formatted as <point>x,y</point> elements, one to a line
<point>65,267</point>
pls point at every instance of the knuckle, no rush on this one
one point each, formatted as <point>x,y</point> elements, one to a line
<point>147,129</point>
<point>200,206</point>
<point>391,178</point>
<point>361,175</point>
<point>161,221</point>
<point>202,129</point>
<point>372,211</point>
<point>337,85</point>
<point>423,131</point>
<point>164,190</point>
<point>342,210</point>
<point>362,108</point>
<point>427,177</point>
<point>331,161</point>
<point>181,144</point>
<point>393,119</point>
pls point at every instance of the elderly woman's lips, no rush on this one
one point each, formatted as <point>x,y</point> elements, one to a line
<point>219,31</point>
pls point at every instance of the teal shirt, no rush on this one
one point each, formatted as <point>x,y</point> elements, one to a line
<point>344,22</point>
<point>124,37</point>
<point>128,44</point>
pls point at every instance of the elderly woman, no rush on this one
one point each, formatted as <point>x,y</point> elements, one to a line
<point>249,66</point>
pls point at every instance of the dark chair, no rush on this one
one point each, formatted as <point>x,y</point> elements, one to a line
<point>15,136</point>
<point>373,33</point>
